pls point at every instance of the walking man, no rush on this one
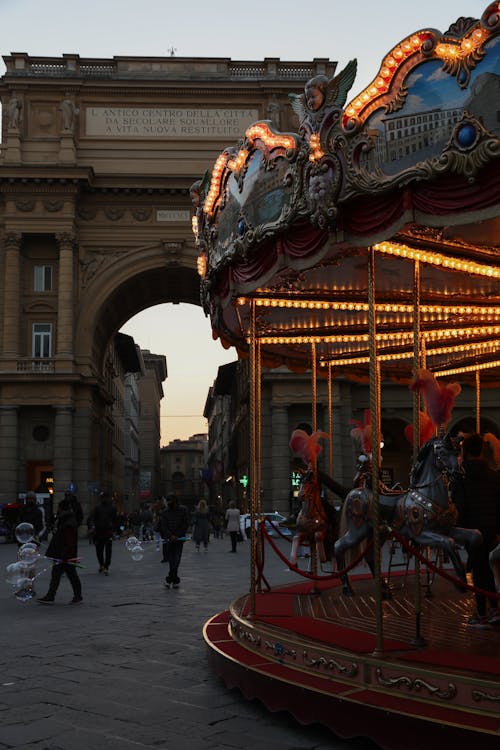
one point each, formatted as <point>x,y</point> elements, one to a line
<point>63,549</point>
<point>104,522</point>
<point>173,524</point>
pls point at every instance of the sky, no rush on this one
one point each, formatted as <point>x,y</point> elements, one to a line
<point>290,31</point>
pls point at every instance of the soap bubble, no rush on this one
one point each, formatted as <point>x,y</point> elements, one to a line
<point>137,553</point>
<point>25,591</point>
<point>24,532</point>
<point>15,573</point>
<point>131,542</point>
<point>28,553</point>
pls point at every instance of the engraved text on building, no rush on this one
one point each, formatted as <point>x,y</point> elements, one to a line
<point>174,122</point>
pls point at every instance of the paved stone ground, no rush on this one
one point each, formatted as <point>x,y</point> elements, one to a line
<point>127,669</point>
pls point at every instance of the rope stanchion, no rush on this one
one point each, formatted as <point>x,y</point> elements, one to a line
<point>259,559</point>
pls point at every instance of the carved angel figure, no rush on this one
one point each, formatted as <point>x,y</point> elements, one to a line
<point>322,94</point>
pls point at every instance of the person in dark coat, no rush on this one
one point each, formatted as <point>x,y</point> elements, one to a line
<point>477,498</point>
<point>104,523</point>
<point>173,525</point>
<point>201,525</point>
<point>32,514</point>
<point>63,550</point>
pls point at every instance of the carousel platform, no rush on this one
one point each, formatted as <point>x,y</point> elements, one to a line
<point>313,654</point>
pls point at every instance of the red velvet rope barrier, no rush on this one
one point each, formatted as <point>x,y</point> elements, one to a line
<point>304,573</point>
<point>337,574</point>
<point>435,569</point>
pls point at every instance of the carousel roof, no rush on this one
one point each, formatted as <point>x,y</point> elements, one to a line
<point>286,223</point>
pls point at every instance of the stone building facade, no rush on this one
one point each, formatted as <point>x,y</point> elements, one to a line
<point>96,161</point>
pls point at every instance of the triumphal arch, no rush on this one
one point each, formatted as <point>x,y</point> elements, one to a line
<point>97,158</point>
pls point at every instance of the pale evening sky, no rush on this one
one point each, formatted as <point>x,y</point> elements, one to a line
<point>291,30</point>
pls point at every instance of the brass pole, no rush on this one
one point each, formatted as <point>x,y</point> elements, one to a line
<point>330,420</point>
<point>375,437</point>
<point>478,402</point>
<point>252,462</point>
<point>314,546</point>
<point>314,388</point>
<point>258,399</point>
<point>418,640</point>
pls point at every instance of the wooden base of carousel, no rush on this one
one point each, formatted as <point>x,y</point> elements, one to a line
<point>313,654</point>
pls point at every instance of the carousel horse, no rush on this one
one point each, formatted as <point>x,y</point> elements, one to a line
<point>312,521</point>
<point>422,514</point>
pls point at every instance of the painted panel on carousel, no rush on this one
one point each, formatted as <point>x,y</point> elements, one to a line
<point>432,110</point>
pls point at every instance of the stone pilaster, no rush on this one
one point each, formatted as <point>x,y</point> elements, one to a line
<point>11,299</point>
<point>280,479</point>
<point>9,453</point>
<point>82,452</point>
<point>65,295</point>
<point>63,450</point>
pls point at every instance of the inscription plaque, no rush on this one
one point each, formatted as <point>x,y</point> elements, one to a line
<point>172,214</point>
<point>175,122</point>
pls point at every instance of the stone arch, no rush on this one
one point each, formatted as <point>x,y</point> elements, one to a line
<point>135,281</point>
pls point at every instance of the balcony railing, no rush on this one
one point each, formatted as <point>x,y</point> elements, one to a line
<point>36,365</point>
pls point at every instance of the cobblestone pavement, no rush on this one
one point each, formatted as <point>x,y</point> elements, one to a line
<point>127,669</point>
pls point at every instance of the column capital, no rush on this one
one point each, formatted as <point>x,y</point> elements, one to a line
<point>13,240</point>
<point>66,240</point>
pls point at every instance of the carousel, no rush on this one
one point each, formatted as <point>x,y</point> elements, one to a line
<point>365,246</point>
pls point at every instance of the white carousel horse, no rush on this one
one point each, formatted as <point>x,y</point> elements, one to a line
<point>423,514</point>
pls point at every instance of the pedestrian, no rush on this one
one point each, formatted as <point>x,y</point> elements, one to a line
<point>33,514</point>
<point>63,550</point>
<point>173,524</point>
<point>233,524</point>
<point>477,497</point>
<point>217,524</point>
<point>77,508</point>
<point>146,520</point>
<point>201,525</point>
<point>104,522</point>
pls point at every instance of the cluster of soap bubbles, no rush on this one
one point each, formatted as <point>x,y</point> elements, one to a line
<point>22,573</point>
<point>134,546</point>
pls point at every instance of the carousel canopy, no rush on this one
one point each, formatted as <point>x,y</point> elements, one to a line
<point>406,173</point>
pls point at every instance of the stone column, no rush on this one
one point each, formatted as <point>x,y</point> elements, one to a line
<point>11,297</point>
<point>65,296</point>
<point>280,459</point>
<point>63,450</point>
<point>82,452</point>
<point>9,453</point>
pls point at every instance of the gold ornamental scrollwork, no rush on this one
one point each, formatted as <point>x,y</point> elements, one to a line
<point>279,650</point>
<point>467,160</point>
<point>417,685</point>
<point>243,634</point>
<point>331,665</point>
<point>480,695</point>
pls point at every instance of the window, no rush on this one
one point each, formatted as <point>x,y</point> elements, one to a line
<point>42,340</point>
<point>43,279</point>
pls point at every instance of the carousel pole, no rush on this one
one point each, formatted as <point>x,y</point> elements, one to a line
<point>253,453</point>
<point>375,437</point>
<point>478,402</point>
<point>258,450</point>
<point>314,546</point>
<point>258,453</point>
<point>314,388</point>
<point>330,420</point>
<point>418,639</point>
